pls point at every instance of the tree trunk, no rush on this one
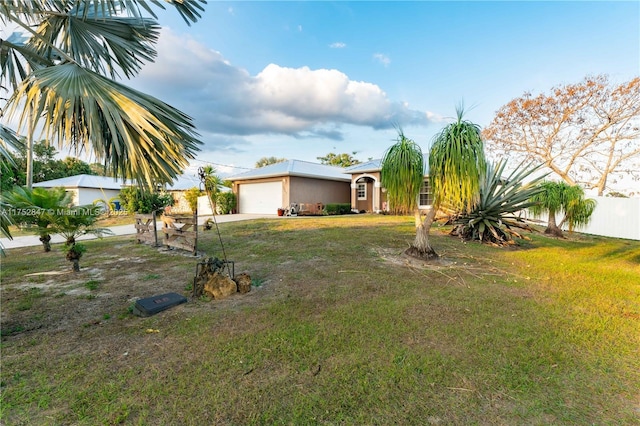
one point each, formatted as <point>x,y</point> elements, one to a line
<point>421,248</point>
<point>76,265</point>
<point>45,240</point>
<point>552,228</point>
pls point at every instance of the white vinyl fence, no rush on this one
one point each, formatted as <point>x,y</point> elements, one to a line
<point>615,217</point>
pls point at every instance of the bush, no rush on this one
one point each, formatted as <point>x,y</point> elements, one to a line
<point>191,195</point>
<point>137,200</point>
<point>338,208</point>
<point>226,202</point>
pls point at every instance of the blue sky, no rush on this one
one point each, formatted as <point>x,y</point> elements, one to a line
<point>301,79</point>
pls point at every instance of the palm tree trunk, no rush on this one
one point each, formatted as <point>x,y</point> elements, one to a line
<point>421,248</point>
<point>45,239</point>
<point>552,228</point>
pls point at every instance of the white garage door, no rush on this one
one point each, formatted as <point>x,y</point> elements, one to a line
<point>260,198</point>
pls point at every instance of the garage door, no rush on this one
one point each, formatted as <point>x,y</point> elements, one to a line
<point>260,198</point>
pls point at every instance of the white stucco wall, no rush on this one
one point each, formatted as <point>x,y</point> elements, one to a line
<point>615,217</point>
<point>89,195</point>
<point>204,206</point>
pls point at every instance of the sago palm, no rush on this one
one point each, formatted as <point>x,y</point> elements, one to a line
<point>63,78</point>
<point>37,209</point>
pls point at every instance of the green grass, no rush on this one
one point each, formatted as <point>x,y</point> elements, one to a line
<point>338,329</point>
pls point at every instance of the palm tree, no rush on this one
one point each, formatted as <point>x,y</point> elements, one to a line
<point>212,184</point>
<point>559,197</point>
<point>8,140</point>
<point>38,207</point>
<point>456,163</point>
<point>66,71</point>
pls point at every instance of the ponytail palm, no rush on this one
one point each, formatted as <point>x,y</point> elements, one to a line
<point>456,164</point>
<point>403,173</point>
<point>65,74</point>
<point>558,197</point>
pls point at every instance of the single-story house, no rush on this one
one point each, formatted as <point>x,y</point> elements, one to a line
<point>266,189</point>
<point>87,188</point>
<point>368,192</point>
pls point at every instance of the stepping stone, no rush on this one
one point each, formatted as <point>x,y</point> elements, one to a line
<point>154,304</point>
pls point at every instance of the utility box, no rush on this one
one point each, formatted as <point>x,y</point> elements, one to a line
<point>154,304</point>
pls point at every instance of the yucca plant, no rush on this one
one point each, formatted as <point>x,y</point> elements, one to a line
<point>495,217</point>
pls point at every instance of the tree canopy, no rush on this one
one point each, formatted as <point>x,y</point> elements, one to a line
<point>340,160</point>
<point>45,166</point>
<point>266,161</point>
<point>63,77</point>
<point>587,133</point>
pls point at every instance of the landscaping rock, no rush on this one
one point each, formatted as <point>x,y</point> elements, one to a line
<point>220,286</point>
<point>244,283</point>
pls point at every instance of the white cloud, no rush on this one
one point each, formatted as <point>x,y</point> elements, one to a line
<point>338,45</point>
<point>383,59</point>
<point>227,102</point>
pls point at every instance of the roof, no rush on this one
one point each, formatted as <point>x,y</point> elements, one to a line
<point>184,182</point>
<point>84,181</point>
<point>294,168</point>
<point>369,166</point>
<point>375,166</point>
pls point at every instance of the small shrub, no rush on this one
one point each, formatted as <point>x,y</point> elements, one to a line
<point>338,208</point>
<point>92,285</point>
<point>226,202</point>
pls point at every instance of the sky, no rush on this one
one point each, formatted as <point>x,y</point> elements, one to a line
<point>298,80</point>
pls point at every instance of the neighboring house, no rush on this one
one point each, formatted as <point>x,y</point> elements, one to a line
<point>368,193</point>
<point>87,188</point>
<point>177,189</point>
<point>182,184</point>
<point>267,189</point>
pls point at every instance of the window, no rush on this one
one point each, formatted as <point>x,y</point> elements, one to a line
<point>361,191</point>
<point>426,198</point>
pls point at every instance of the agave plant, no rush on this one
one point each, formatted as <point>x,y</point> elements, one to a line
<point>495,217</point>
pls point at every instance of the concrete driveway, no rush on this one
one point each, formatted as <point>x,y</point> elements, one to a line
<point>33,240</point>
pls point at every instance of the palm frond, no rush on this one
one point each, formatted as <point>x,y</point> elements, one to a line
<point>8,140</point>
<point>137,135</point>
<point>402,173</point>
<point>456,162</point>
<point>98,40</point>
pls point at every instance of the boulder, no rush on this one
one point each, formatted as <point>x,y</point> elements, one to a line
<point>220,286</point>
<point>244,283</point>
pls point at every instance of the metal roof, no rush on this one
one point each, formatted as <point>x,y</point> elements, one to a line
<point>84,181</point>
<point>294,168</point>
<point>375,166</point>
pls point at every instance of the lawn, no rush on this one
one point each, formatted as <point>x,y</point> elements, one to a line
<point>339,328</point>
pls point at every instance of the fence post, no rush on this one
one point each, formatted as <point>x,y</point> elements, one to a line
<point>195,226</point>
<point>155,231</point>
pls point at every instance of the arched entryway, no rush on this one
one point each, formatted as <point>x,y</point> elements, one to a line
<point>365,194</point>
